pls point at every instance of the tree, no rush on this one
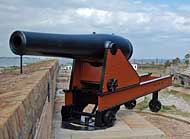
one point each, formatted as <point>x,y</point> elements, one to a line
<point>167,64</point>
<point>187,62</point>
<point>176,61</point>
<point>187,58</point>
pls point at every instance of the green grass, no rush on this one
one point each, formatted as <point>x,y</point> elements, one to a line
<point>179,85</point>
<point>10,69</point>
<point>168,108</point>
<point>39,62</point>
<point>176,85</point>
<point>165,109</point>
<point>142,105</point>
<point>155,70</point>
<point>186,97</point>
<point>173,110</point>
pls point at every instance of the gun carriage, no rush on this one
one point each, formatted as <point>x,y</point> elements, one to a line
<point>102,74</point>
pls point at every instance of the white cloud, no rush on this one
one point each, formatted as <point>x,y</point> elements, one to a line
<point>182,24</point>
<point>143,23</point>
<point>7,7</point>
<point>86,12</point>
<point>98,16</point>
<point>185,8</point>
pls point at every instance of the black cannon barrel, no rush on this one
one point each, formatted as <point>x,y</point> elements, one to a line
<point>89,47</point>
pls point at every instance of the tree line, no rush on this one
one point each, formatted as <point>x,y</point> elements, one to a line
<point>177,60</point>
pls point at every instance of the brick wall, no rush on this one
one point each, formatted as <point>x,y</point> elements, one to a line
<point>27,113</point>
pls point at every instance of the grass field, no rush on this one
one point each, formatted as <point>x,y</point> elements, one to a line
<point>156,70</point>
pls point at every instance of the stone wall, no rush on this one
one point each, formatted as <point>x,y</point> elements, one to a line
<point>27,113</point>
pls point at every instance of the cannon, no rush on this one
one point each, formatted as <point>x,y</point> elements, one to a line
<point>101,75</point>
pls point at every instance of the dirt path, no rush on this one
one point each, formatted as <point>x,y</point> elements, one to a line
<point>172,128</point>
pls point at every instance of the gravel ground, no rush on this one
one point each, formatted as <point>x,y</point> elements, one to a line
<point>178,101</point>
<point>180,89</point>
<point>172,128</point>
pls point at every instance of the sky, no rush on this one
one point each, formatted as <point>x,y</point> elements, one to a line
<point>156,28</point>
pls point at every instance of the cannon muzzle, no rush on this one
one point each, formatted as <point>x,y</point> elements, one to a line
<point>89,47</point>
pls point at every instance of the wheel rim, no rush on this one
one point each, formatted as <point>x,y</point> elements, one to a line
<point>131,104</point>
<point>155,106</point>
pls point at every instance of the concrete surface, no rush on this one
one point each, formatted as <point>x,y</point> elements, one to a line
<point>129,125</point>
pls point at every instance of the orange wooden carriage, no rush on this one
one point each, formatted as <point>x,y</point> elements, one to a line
<point>108,87</point>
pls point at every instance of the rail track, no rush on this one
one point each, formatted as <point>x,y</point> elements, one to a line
<point>170,116</point>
